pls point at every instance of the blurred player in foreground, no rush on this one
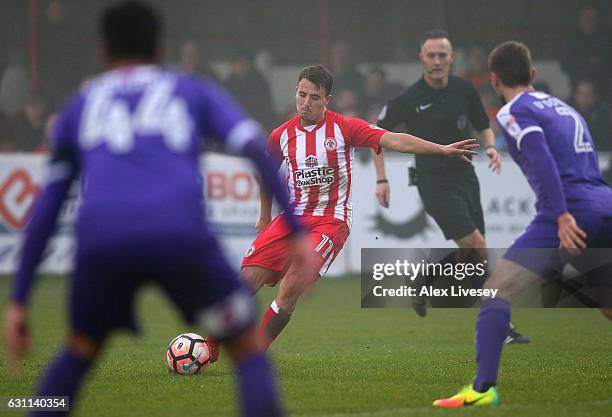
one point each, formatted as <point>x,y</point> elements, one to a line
<point>317,148</point>
<point>134,135</point>
<point>551,143</point>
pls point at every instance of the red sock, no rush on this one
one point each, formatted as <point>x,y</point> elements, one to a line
<point>213,347</point>
<point>274,321</point>
<point>212,341</point>
<point>266,318</point>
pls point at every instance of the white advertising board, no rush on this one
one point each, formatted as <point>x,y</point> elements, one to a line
<point>232,206</point>
<point>232,194</point>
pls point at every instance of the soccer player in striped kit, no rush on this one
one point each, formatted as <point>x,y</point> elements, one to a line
<point>316,146</point>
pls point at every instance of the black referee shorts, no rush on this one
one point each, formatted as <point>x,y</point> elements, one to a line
<point>453,200</point>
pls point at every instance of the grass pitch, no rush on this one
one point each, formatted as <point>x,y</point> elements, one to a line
<point>338,360</point>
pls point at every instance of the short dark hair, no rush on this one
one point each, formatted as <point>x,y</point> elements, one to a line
<point>511,62</point>
<point>131,29</point>
<point>318,75</point>
<point>434,34</point>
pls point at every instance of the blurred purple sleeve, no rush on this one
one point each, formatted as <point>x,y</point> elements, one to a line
<point>36,236</point>
<point>536,153</point>
<point>62,170</point>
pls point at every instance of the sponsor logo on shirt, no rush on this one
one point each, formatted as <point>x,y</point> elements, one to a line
<point>311,161</point>
<point>510,124</point>
<point>316,176</point>
<point>249,251</point>
<point>424,107</point>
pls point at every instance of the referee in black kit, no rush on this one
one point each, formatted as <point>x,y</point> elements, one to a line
<point>446,109</point>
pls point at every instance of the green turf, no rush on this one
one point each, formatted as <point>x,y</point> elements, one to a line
<point>336,359</point>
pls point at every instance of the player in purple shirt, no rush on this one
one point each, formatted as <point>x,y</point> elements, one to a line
<point>134,135</point>
<point>551,143</point>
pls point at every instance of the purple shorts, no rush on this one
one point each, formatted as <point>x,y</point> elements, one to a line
<point>537,247</point>
<point>192,272</point>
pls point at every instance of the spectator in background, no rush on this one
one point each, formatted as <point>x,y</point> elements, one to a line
<point>587,52</point>
<point>63,60</point>
<point>30,125</point>
<point>596,112</point>
<point>542,86</point>
<point>191,61</point>
<point>346,75</point>
<point>346,103</point>
<point>7,137</point>
<point>476,71</point>
<point>13,90</point>
<point>376,92</point>
<point>250,88</point>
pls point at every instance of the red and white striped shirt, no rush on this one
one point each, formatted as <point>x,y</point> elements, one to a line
<point>319,160</point>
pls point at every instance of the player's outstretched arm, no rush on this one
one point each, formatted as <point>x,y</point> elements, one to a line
<point>40,228</point>
<point>406,143</point>
<point>383,190</point>
<point>37,234</point>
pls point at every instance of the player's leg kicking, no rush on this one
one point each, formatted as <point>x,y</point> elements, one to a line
<point>268,261</point>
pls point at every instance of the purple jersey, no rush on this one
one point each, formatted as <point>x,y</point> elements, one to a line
<point>136,133</point>
<point>569,141</point>
<point>134,136</point>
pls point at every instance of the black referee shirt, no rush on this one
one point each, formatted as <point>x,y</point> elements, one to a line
<point>442,116</point>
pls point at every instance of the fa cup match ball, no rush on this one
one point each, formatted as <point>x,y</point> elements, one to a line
<point>188,354</point>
